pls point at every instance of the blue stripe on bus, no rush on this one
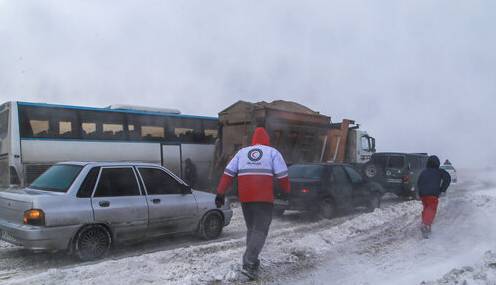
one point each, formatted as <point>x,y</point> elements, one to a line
<point>114,141</point>
<point>126,111</point>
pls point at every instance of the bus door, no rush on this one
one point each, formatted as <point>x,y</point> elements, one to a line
<point>172,158</point>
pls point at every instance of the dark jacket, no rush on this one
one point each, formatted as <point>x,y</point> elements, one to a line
<point>433,180</point>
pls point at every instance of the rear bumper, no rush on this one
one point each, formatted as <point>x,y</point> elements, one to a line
<point>37,238</point>
<point>298,202</point>
<point>402,189</point>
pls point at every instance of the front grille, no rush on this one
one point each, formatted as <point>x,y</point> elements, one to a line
<point>32,171</point>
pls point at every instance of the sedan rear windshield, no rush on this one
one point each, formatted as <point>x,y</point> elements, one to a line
<point>57,178</point>
<point>305,171</point>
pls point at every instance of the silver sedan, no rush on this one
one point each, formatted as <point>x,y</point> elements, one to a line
<point>85,208</point>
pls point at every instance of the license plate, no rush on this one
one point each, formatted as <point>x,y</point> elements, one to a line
<point>280,202</point>
<point>394,181</point>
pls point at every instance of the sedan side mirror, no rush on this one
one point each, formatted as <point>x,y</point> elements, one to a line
<point>187,189</point>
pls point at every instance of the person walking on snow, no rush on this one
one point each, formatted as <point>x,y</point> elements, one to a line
<point>431,183</point>
<point>255,167</point>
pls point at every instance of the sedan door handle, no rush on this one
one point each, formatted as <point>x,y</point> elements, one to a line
<point>156,201</point>
<point>104,204</point>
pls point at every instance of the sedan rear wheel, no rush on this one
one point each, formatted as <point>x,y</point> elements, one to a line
<point>211,225</point>
<point>93,242</point>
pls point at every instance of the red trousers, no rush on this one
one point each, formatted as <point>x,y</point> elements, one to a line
<point>430,209</point>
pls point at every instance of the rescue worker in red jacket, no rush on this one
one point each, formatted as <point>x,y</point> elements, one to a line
<point>431,183</point>
<point>255,167</point>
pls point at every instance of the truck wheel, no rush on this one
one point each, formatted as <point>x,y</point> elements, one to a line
<point>211,225</point>
<point>327,209</point>
<point>92,242</point>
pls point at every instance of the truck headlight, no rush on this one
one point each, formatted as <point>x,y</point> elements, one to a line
<point>34,217</point>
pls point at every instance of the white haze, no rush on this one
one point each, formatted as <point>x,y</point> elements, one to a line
<point>419,75</point>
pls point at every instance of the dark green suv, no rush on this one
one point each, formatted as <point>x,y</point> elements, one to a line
<point>396,172</point>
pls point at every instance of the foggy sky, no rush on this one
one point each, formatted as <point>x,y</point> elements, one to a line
<point>419,75</point>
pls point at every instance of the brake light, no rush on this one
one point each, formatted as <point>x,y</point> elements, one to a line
<point>305,190</point>
<point>406,178</point>
<point>34,217</point>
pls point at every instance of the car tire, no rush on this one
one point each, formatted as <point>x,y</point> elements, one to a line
<point>327,209</point>
<point>92,242</point>
<point>211,225</point>
<point>278,212</point>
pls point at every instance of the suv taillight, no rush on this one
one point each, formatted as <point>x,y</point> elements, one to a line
<point>305,190</point>
<point>34,217</point>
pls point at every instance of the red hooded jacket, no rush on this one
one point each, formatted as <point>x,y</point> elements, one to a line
<point>255,166</point>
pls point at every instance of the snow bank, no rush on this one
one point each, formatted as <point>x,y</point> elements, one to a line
<point>483,273</point>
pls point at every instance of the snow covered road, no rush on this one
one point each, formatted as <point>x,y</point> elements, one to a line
<point>383,247</point>
<point>464,230</point>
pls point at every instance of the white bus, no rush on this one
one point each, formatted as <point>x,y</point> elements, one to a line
<point>34,136</point>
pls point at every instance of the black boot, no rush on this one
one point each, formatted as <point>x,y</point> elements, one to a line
<point>250,271</point>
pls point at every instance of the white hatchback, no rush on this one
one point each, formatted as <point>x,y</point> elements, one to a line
<point>452,172</point>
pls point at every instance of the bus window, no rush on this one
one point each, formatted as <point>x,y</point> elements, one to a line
<point>65,128</point>
<point>63,123</point>
<point>34,122</point>
<point>39,128</point>
<point>113,130</point>
<point>144,127</point>
<point>89,130</point>
<point>152,132</point>
<point>210,129</point>
<point>102,125</point>
<point>187,130</point>
<point>131,131</point>
<point>47,122</point>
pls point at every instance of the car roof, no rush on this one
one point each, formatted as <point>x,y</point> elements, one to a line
<point>110,163</point>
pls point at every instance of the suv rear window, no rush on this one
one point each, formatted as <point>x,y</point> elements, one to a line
<point>305,171</point>
<point>379,160</point>
<point>57,178</point>
<point>396,162</point>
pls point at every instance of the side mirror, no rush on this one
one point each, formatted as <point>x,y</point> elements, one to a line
<point>186,189</point>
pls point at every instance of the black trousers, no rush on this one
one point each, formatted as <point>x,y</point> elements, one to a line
<point>258,216</point>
